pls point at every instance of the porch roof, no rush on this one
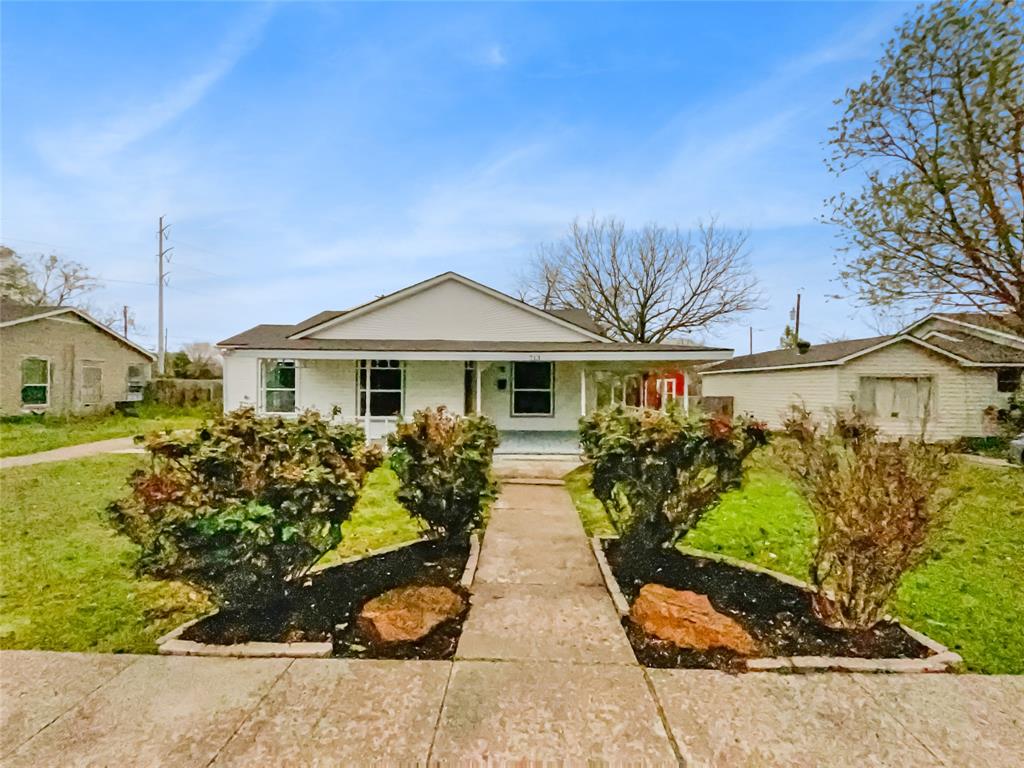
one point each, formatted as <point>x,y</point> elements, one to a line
<point>272,340</point>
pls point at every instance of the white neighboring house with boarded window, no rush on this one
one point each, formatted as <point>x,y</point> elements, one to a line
<point>944,376</point>
<point>452,341</point>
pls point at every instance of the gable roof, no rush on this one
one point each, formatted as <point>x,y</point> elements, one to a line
<point>16,313</point>
<point>565,318</point>
<point>1006,324</point>
<point>967,350</point>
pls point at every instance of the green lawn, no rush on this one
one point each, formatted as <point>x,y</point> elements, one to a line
<point>30,434</point>
<point>67,582</point>
<point>968,595</point>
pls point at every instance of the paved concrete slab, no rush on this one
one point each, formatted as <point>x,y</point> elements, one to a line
<point>782,720</point>
<point>40,686</point>
<point>113,445</point>
<point>547,498</point>
<point>965,719</point>
<point>536,713</point>
<point>338,712</point>
<point>531,525</point>
<point>159,711</point>
<point>539,622</point>
<point>559,559</point>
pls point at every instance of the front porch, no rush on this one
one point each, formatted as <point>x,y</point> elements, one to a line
<point>534,399</point>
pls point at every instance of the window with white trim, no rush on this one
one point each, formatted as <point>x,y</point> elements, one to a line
<point>533,389</point>
<point>381,387</point>
<point>278,386</point>
<point>35,381</point>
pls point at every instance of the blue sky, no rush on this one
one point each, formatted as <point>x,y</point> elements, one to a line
<point>311,156</point>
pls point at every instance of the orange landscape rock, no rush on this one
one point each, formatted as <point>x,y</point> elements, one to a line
<point>687,620</point>
<point>407,614</point>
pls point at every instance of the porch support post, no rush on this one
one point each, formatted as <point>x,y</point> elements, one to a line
<point>583,389</point>
<point>365,376</point>
<point>479,391</point>
<point>686,391</point>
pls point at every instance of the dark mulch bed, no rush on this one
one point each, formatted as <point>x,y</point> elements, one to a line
<point>326,605</point>
<point>777,615</point>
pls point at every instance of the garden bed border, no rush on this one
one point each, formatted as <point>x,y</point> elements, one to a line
<point>171,643</point>
<point>941,660</point>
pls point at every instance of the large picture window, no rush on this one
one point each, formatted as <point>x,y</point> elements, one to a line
<point>279,386</point>
<point>381,387</point>
<point>532,389</point>
<point>35,381</point>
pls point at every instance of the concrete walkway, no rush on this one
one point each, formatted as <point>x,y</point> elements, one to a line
<point>543,674</point>
<point>68,452</point>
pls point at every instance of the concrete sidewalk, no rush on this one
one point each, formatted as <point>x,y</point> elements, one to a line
<point>66,709</point>
<point>543,674</point>
<point>68,452</point>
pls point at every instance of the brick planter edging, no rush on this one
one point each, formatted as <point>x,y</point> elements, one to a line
<point>171,644</point>
<point>941,660</point>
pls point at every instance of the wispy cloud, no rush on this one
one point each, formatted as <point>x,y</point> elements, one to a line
<point>494,56</point>
<point>85,148</point>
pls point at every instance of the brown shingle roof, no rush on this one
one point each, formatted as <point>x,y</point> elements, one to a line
<point>1003,323</point>
<point>978,350</point>
<point>779,358</point>
<point>276,337</point>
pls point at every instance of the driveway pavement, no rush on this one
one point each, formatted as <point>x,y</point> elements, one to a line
<point>68,452</point>
<point>542,674</point>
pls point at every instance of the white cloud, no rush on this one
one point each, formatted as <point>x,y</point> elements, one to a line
<point>84,149</point>
<point>494,56</point>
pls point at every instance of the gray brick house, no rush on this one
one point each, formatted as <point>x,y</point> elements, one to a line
<point>61,360</point>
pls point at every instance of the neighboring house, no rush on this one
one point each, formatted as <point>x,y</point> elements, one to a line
<point>946,373</point>
<point>61,360</point>
<point>454,342</point>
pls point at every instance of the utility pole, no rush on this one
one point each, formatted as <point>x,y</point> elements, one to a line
<point>162,255</point>
<point>124,314</point>
<point>796,330</point>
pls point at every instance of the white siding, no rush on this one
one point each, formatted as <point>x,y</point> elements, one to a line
<point>497,404</point>
<point>768,395</point>
<point>453,311</point>
<point>325,384</point>
<point>241,381</point>
<point>430,383</point>
<point>959,395</point>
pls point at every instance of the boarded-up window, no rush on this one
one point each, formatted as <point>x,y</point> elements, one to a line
<point>91,391</point>
<point>906,398</point>
<point>35,381</point>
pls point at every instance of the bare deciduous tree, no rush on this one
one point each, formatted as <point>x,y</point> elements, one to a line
<point>51,281</point>
<point>62,281</point>
<point>646,285</point>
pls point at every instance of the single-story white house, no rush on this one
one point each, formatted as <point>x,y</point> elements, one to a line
<point>944,374</point>
<point>452,341</point>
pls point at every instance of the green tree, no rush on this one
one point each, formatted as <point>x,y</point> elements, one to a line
<point>788,339</point>
<point>936,133</point>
